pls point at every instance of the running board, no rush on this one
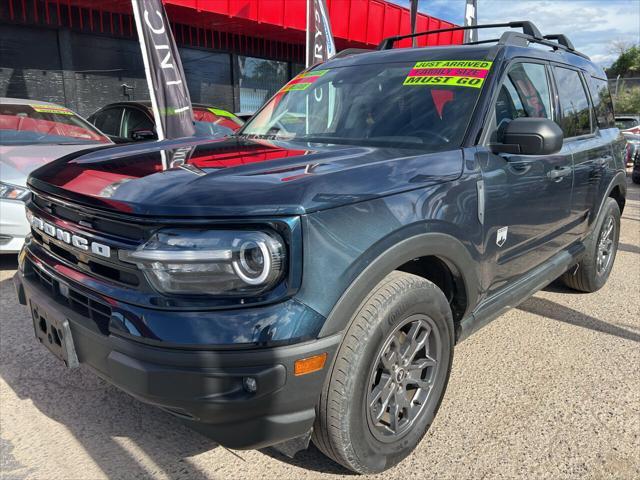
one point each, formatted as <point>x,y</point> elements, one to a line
<point>518,292</point>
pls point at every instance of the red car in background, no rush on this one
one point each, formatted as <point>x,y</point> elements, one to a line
<point>133,121</point>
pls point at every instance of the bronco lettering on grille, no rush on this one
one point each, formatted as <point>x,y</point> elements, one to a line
<point>69,238</point>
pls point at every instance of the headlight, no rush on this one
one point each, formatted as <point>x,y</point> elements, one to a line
<point>13,192</point>
<point>211,262</point>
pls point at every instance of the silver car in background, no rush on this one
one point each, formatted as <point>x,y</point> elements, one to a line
<point>629,126</point>
<point>33,133</point>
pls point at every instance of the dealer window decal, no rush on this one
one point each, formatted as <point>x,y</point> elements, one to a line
<point>51,109</point>
<point>303,81</point>
<point>457,73</point>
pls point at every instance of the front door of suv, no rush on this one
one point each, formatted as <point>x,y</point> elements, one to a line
<point>527,198</point>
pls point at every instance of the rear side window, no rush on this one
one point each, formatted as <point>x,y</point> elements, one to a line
<point>134,120</point>
<point>574,103</point>
<point>602,104</point>
<point>109,121</point>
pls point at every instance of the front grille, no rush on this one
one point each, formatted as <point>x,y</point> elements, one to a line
<point>68,296</point>
<point>127,275</point>
<point>116,233</point>
<point>75,215</point>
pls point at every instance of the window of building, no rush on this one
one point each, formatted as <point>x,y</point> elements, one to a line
<point>574,103</point>
<point>258,80</point>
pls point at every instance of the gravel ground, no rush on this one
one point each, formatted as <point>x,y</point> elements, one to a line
<point>549,390</point>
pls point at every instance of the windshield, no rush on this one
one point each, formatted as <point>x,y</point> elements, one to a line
<point>215,122</point>
<point>45,124</point>
<point>424,105</point>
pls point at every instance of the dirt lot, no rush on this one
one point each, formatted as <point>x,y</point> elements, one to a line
<point>549,390</point>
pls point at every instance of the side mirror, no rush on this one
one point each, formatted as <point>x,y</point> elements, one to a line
<point>530,136</point>
<point>140,135</point>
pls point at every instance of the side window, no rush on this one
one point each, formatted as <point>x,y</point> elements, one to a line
<point>108,121</point>
<point>524,93</point>
<point>574,104</point>
<point>602,103</point>
<point>135,119</point>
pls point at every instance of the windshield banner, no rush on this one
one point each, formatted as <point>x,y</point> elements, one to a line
<point>167,85</point>
<point>457,73</point>
<point>303,81</point>
<point>320,45</point>
<point>51,109</point>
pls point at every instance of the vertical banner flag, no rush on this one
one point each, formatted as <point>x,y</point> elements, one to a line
<point>414,16</point>
<point>320,46</point>
<point>471,19</point>
<point>167,84</point>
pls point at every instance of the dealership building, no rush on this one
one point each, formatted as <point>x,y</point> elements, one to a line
<point>236,53</point>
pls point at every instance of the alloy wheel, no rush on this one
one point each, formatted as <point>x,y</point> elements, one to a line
<point>605,248</point>
<point>403,377</point>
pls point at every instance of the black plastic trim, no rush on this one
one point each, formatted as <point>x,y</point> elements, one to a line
<point>428,244</point>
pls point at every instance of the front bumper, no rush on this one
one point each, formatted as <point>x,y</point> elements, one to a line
<point>204,388</point>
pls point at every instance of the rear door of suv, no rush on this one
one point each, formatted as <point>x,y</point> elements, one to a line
<point>590,146</point>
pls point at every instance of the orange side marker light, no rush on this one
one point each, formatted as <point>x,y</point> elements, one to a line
<point>310,364</point>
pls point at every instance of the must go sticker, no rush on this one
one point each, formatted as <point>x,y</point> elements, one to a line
<point>458,73</point>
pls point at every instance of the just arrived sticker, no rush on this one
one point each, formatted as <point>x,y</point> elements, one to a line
<point>458,73</point>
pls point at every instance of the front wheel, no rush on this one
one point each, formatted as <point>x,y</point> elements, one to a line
<point>601,248</point>
<point>389,376</point>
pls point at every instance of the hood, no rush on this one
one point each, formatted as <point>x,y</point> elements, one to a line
<point>239,177</point>
<point>17,162</point>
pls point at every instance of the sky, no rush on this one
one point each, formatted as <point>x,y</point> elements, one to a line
<point>592,25</point>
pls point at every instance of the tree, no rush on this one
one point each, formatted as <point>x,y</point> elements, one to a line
<point>627,64</point>
<point>627,100</point>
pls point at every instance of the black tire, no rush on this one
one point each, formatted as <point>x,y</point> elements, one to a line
<point>345,429</point>
<point>589,275</point>
<point>635,178</point>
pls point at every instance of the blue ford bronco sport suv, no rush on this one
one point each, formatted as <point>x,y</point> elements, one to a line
<point>309,277</point>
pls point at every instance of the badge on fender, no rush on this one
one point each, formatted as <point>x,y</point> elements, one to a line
<point>501,237</point>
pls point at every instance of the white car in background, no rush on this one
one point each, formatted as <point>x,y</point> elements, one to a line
<point>33,133</point>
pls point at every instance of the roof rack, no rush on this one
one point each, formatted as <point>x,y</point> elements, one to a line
<point>522,40</point>
<point>528,28</point>
<point>530,34</point>
<point>562,40</point>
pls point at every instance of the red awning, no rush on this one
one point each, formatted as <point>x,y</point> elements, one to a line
<point>355,23</point>
<point>260,28</point>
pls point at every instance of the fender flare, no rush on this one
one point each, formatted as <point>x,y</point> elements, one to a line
<point>444,246</point>
<point>618,180</point>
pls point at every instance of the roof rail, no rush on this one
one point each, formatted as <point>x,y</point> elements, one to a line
<point>562,40</point>
<point>528,28</point>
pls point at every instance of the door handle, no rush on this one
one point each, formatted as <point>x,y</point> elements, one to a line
<point>557,174</point>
